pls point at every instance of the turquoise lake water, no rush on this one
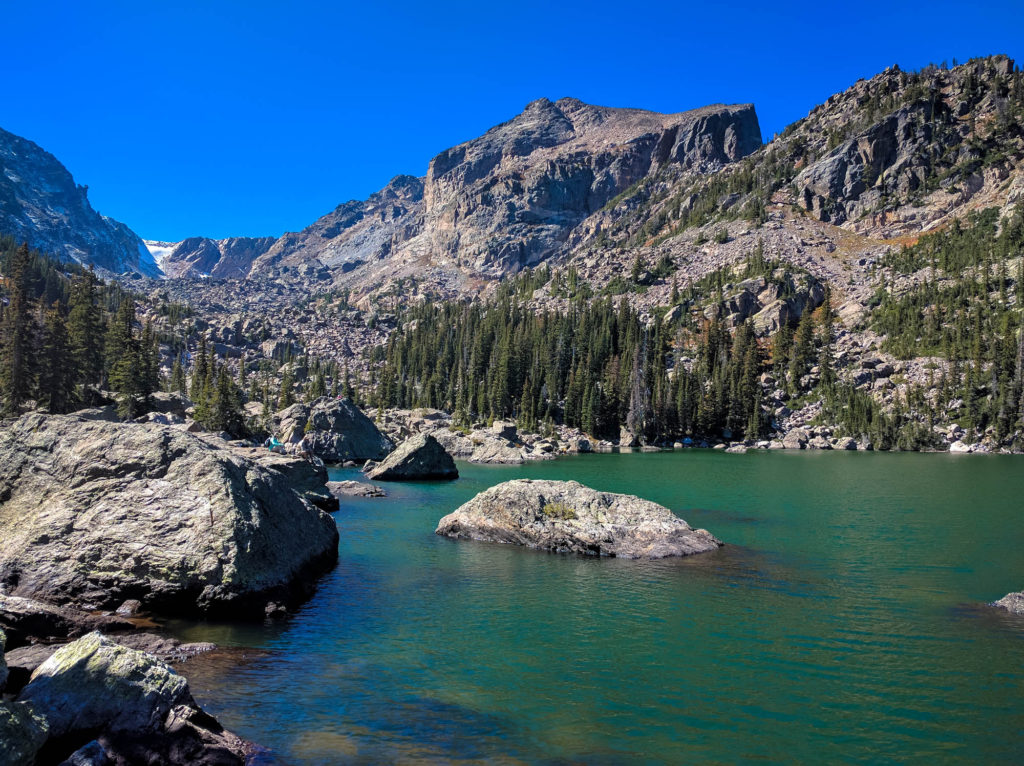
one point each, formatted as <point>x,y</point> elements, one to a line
<point>841,623</point>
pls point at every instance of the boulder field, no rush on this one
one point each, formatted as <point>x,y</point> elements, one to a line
<point>567,517</point>
<point>94,513</point>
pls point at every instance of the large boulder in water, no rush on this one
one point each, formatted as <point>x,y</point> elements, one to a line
<point>1012,603</point>
<point>336,429</point>
<point>138,709</point>
<point>566,517</point>
<point>94,513</point>
<point>418,457</point>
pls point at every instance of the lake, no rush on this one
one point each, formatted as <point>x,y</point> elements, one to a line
<point>841,622</point>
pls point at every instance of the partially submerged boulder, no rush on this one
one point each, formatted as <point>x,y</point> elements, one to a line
<point>567,517</point>
<point>1011,602</point>
<point>336,429</point>
<point>349,488</point>
<point>418,457</point>
<point>136,708</point>
<point>93,513</point>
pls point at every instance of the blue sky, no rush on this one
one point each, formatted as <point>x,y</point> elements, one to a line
<point>254,118</point>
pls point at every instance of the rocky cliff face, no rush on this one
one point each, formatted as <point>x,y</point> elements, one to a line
<point>353,233</point>
<point>230,258</point>
<point>41,204</point>
<point>510,198</point>
<point>909,148</point>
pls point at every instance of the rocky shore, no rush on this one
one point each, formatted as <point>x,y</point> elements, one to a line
<point>97,701</point>
<point>567,517</point>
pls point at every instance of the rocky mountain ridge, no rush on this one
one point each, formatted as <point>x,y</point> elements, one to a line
<point>509,198</point>
<point>41,204</point>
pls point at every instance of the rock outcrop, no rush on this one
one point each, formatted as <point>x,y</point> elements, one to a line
<point>136,708</point>
<point>336,429</point>
<point>94,513</point>
<point>418,457</point>
<point>1012,603</point>
<point>567,517</point>
<point>41,204</point>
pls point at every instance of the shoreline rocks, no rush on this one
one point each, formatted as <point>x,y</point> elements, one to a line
<point>94,513</point>
<point>98,701</point>
<point>567,517</point>
<point>417,458</point>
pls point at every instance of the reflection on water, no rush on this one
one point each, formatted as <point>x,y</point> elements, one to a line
<point>839,623</point>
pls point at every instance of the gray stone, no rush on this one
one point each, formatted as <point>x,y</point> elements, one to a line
<point>795,439</point>
<point>355,489</point>
<point>419,457</point>
<point>23,732</point>
<point>336,429</point>
<point>27,620</point>
<point>566,517</point>
<point>94,684</point>
<point>141,708</point>
<point>1012,603</point>
<point>95,513</point>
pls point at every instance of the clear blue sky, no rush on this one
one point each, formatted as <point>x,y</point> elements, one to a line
<point>253,118</point>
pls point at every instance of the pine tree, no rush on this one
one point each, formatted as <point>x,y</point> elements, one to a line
<point>286,398</point>
<point>85,332</point>
<point>57,371</point>
<point>178,377</point>
<point>19,330</point>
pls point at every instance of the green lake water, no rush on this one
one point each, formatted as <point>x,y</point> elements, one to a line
<point>842,622</point>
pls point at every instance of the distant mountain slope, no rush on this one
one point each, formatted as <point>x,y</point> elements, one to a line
<point>41,204</point>
<point>203,257</point>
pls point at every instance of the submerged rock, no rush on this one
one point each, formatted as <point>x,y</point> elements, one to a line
<point>418,457</point>
<point>1011,602</point>
<point>566,517</point>
<point>93,513</point>
<point>355,489</point>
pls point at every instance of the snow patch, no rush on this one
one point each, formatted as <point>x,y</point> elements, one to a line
<point>160,252</point>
